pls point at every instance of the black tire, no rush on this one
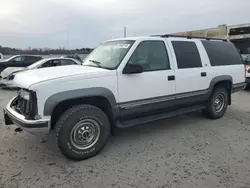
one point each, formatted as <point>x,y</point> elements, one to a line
<point>213,109</point>
<point>247,87</point>
<point>76,125</point>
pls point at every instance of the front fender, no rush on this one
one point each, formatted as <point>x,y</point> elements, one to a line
<point>57,98</point>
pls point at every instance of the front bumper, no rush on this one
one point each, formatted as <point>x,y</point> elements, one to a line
<point>40,126</point>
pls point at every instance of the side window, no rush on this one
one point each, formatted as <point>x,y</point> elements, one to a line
<point>28,59</point>
<point>187,54</point>
<point>56,62</point>
<point>222,53</point>
<point>67,62</point>
<point>33,59</point>
<point>151,55</point>
<point>47,64</point>
<point>19,59</point>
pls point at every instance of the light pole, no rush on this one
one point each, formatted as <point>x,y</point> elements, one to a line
<point>125,32</point>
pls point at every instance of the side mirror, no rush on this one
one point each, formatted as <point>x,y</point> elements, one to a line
<point>13,61</point>
<point>132,69</point>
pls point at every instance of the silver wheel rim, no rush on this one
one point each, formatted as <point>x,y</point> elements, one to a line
<point>85,134</point>
<point>219,102</point>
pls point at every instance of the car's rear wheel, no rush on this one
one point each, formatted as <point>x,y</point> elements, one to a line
<point>82,131</point>
<point>217,104</point>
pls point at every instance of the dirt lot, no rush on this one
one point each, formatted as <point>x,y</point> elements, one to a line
<point>185,151</point>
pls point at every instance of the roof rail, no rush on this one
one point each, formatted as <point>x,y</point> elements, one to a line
<point>188,37</point>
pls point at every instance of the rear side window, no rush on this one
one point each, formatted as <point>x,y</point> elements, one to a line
<point>31,59</point>
<point>67,62</point>
<point>222,53</point>
<point>187,54</point>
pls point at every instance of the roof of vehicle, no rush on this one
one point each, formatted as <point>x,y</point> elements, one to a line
<point>165,36</point>
<point>54,58</point>
<point>27,55</point>
<point>42,61</point>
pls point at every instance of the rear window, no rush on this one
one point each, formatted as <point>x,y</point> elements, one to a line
<point>222,53</point>
<point>187,54</point>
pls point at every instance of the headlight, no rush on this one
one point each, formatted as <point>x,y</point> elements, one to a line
<point>11,77</point>
<point>24,94</point>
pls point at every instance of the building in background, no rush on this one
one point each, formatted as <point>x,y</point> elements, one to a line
<point>238,34</point>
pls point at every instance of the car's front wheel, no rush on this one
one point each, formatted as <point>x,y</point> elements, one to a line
<point>82,131</point>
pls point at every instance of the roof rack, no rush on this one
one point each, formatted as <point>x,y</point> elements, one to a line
<point>188,37</point>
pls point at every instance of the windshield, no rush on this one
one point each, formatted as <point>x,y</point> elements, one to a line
<point>36,64</point>
<point>109,55</point>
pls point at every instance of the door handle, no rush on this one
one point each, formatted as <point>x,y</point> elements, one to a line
<point>172,77</point>
<point>203,74</point>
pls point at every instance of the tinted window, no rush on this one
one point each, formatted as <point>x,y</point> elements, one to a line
<point>151,55</point>
<point>222,53</point>
<point>29,59</point>
<point>67,62</point>
<point>187,54</point>
<point>33,58</point>
<point>48,64</point>
<point>19,58</point>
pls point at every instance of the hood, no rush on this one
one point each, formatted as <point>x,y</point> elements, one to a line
<point>3,62</point>
<point>27,78</point>
<point>6,72</point>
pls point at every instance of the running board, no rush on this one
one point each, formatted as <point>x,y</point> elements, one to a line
<point>154,117</point>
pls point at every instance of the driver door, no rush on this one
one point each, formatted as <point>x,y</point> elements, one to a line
<point>149,91</point>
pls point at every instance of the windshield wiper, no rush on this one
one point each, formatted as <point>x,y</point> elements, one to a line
<point>96,62</point>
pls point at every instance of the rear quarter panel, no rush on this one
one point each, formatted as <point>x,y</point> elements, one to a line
<point>223,59</point>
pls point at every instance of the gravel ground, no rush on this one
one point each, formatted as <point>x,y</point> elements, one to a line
<point>184,151</point>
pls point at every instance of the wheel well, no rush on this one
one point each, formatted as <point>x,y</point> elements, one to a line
<point>100,102</point>
<point>227,84</point>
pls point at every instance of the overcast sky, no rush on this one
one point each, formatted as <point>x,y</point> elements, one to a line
<point>45,23</point>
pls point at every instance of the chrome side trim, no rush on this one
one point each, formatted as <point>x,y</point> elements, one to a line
<point>133,104</point>
<point>191,94</point>
<point>144,102</point>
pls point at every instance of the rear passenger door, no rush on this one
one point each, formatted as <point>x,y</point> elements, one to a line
<point>190,72</point>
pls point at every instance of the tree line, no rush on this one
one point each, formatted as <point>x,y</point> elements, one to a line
<point>43,51</point>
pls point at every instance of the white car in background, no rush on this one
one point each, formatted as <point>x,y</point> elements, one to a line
<point>8,74</point>
<point>246,58</point>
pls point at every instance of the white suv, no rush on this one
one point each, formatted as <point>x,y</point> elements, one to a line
<point>125,82</point>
